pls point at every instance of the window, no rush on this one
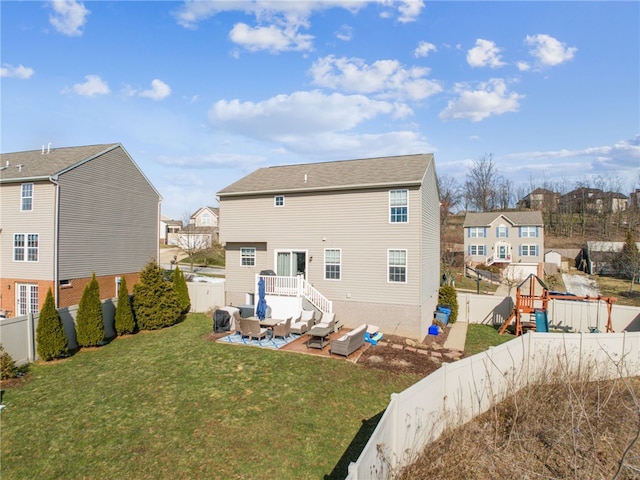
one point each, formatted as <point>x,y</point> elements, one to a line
<point>332,264</point>
<point>477,250</point>
<point>278,200</point>
<point>502,231</point>
<point>27,197</point>
<point>476,232</point>
<point>248,257</point>
<point>399,206</point>
<point>27,298</point>
<point>528,250</point>
<point>206,219</point>
<point>397,262</point>
<point>32,247</point>
<point>18,247</point>
<point>528,232</point>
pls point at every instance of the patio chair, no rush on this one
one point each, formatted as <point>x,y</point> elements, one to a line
<point>283,329</point>
<point>328,320</point>
<point>255,330</point>
<point>303,323</point>
<point>349,342</point>
<point>243,328</point>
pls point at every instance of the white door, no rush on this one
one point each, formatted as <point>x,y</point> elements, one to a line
<point>291,263</point>
<point>26,299</point>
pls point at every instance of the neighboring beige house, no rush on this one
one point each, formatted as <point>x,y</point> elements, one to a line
<point>205,217</point>
<point>512,240</point>
<point>540,199</point>
<point>167,228</point>
<point>360,238</point>
<point>67,213</point>
<point>593,200</point>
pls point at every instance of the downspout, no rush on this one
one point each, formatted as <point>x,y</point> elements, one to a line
<point>158,231</point>
<point>56,229</point>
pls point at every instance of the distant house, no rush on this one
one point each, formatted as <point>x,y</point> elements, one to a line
<point>67,213</point>
<point>634,199</point>
<point>540,199</point>
<point>167,228</point>
<point>512,240</point>
<point>358,238</point>
<point>205,217</point>
<point>593,200</point>
<point>200,233</point>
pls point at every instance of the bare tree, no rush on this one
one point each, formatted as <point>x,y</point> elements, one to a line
<point>482,185</point>
<point>450,196</point>
<point>192,241</point>
<point>506,194</point>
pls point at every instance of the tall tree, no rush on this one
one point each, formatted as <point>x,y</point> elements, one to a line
<point>627,262</point>
<point>51,338</point>
<point>450,196</point>
<point>482,185</point>
<point>155,303</point>
<point>182,291</point>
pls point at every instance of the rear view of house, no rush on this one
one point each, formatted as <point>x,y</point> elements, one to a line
<point>358,237</point>
<point>67,213</point>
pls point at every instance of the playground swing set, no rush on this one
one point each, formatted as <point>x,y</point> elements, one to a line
<point>532,297</point>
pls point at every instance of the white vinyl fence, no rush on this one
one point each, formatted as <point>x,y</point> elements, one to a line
<point>459,391</point>
<point>18,334</point>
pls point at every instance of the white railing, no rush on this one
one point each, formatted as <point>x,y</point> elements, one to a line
<point>296,287</point>
<point>459,391</point>
<point>496,258</point>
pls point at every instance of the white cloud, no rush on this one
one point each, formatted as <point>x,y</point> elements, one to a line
<point>92,87</point>
<point>271,38</point>
<point>490,98</point>
<point>523,66</point>
<point>20,71</point>
<point>485,54</point>
<point>212,160</point>
<point>385,78</point>
<point>423,49</point>
<point>68,17</point>
<point>344,33</point>
<point>410,10</point>
<point>548,50</point>
<point>159,90</point>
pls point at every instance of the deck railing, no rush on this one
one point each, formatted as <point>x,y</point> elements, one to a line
<point>296,287</point>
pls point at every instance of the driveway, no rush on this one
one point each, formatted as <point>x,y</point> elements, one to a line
<point>580,285</point>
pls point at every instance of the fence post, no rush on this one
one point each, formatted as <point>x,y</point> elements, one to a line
<point>31,338</point>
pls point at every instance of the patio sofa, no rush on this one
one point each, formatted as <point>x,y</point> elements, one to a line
<point>349,342</point>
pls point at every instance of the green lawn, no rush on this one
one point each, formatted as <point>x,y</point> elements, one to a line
<point>481,337</point>
<point>170,404</point>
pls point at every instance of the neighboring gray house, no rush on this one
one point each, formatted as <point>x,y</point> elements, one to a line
<point>597,258</point>
<point>512,240</point>
<point>67,213</point>
<point>360,238</point>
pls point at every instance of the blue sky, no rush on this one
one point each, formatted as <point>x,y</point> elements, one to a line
<point>202,93</point>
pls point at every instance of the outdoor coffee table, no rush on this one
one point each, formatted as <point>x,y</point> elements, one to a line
<point>317,337</point>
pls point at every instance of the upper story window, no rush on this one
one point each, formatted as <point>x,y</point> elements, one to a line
<point>398,206</point>
<point>25,247</point>
<point>27,197</point>
<point>332,257</point>
<point>502,231</point>
<point>206,219</point>
<point>278,201</point>
<point>476,232</point>
<point>529,232</point>
<point>397,265</point>
<point>248,256</point>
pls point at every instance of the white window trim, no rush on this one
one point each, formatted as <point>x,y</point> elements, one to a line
<point>530,232</point>
<point>25,248</point>
<point>275,200</point>
<point>23,197</point>
<point>391,206</point>
<point>248,256</point>
<point>339,250</point>
<point>529,247</point>
<point>477,247</point>
<point>479,232</point>
<point>406,264</point>
<point>505,229</point>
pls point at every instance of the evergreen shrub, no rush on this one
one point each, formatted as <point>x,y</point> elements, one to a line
<point>51,338</point>
<point>447,296</point>
<point>89,321</point>
<point>155,302</point>
<point>8,367</point>
<point>182,291</point>
<point>124,322</point>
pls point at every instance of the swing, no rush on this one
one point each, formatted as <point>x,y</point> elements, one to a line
<point>593,329</point>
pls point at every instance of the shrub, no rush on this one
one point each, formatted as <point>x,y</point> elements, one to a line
<point>50,335</point>
<point>8,367</point>
<point>89,321</point>
<point>447,296</point>
<point>180,287</point>
<point>155,303</point>
<point>124,322</point>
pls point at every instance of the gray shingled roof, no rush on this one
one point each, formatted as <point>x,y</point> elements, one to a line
<point>402,170</point>
<point>35,165</point>
<point>484,219</point>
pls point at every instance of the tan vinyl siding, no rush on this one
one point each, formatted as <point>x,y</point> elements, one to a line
<point>430,258</point>
<point>357,222</point>
<point>108,218</point>
<point>39,220</point>
<point>240,278</point>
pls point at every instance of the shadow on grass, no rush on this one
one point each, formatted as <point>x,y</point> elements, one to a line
<point>355,448</point>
